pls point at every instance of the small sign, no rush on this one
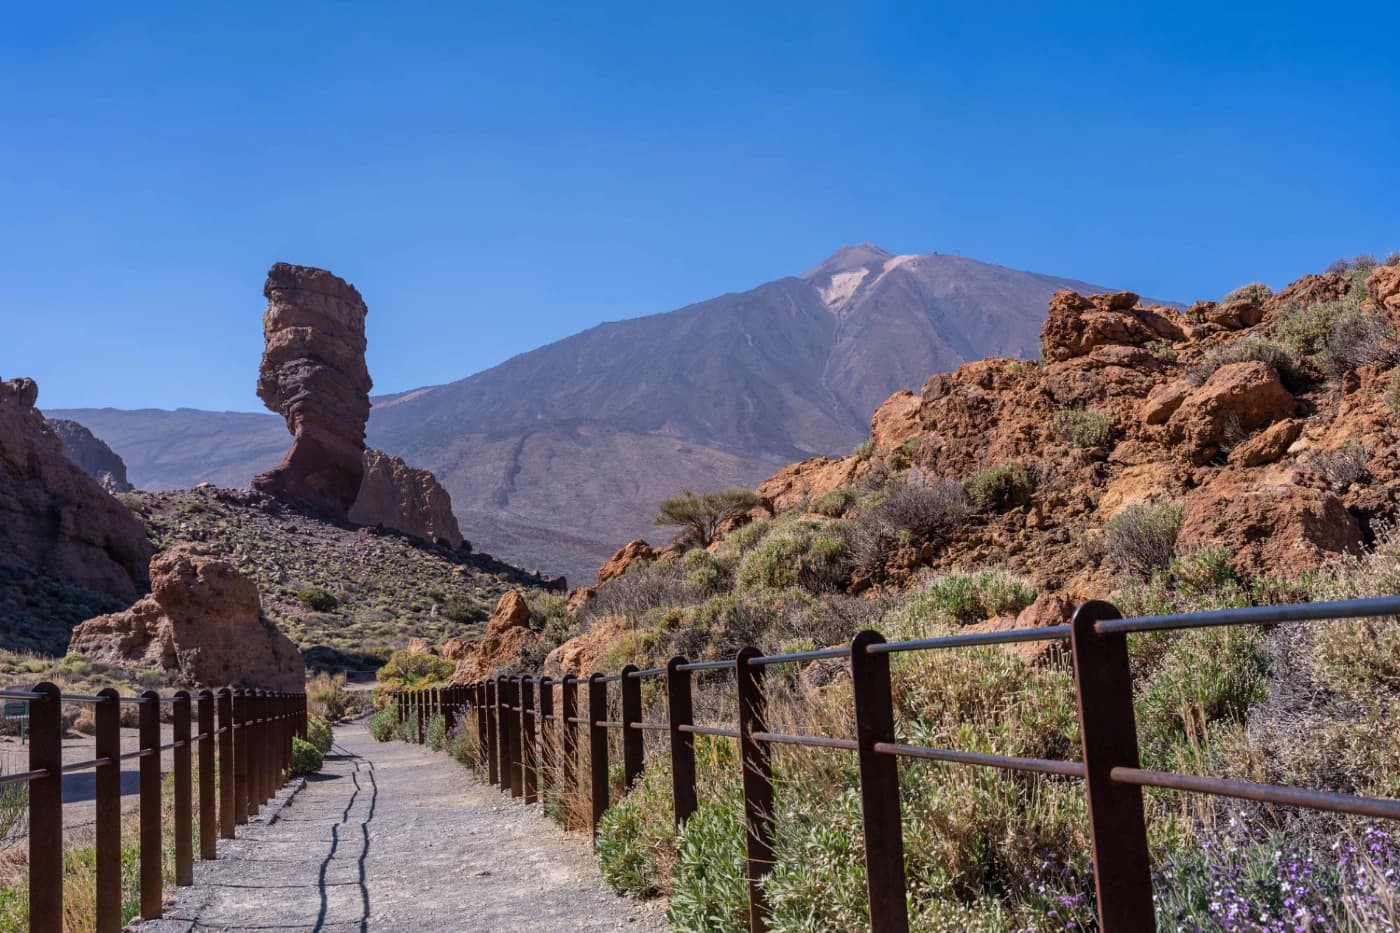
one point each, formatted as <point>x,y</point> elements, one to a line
<point>16,709</point>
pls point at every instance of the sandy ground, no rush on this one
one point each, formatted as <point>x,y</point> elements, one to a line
<point>394,837</point>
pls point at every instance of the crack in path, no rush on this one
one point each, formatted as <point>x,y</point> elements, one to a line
<point>394,837</point>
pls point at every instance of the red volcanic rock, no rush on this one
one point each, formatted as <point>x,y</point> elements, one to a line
<point>54,518</point>
<point>1239,397</point>
<point>508,636</point>
<point>1269,524</point>
<point>1383,288</point>
<point>617,565</point>
<point>407,499</point>
<point>202,623</point>
<point>313,374</point>
<point>1077,324</point>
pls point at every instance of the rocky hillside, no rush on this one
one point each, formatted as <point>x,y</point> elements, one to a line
<point>345,596</point>
<point>553,456</point>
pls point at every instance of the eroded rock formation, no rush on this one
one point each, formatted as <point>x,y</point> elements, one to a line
<point>508,637</point>
<point>91,455</point>
<point>201,623</point>
<point>407,499</point>
<point>313,373</point>
<point>54,518</point>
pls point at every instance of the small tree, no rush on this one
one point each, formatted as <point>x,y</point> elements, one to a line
<point>702,515</point>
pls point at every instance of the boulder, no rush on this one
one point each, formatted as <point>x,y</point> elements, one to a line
<point>1047,610</point>
<point>578,657</point>
<point>1163,403</point>
<point>407,499</point>
<point>1270,524</point>
<point>507,639</point>
<point>1383,289</point>
<point>1268,445</point>
<point>91,455</point>
<point>55,520</point>
<point>313,374</point>
<point>616,566</point>
<point>1076,324</point>
<point>797,483</point>
<point>1236,399</point>
<point>202,624</point>
<point>896,420</point>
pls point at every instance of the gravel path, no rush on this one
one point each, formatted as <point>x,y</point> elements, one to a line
<point>394,837</point>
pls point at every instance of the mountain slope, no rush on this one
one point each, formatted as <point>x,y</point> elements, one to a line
<point>556,454</point>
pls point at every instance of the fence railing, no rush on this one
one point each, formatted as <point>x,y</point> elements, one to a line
<point>244,740</point>
<point>516,722</point>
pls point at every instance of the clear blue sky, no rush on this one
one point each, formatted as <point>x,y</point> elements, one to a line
<point>496,176</point>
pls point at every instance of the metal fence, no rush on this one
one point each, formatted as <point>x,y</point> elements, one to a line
<point>245,751</point>
<point>516,722</point>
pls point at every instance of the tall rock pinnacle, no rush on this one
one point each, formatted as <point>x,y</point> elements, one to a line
<point>313,373</point>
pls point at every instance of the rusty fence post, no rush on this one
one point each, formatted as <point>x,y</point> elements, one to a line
<point>503,731</point>
<point>149,834</point>
<point>631,688</point>
<point>568,735</point>
<point>486,726</point>
<point>421,708</point>
<point>107,788</point>
<point>598,748</point>
<point>679,713</point>
<point>449,712</point>
<point>238,702</point>
<point>528,749</point>
<point>548,730</point>
<point>208,818</point>
<point>1108,735</point>
<point>516,771</point>
<point>224,706</point>
<point>257,743</point>
<point>756,761</point>
<point>184,791</point>
<point>879,786</point>
<point>46,810</point>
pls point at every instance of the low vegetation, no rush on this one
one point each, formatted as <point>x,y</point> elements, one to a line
<point>1080,428</point>
<point>700,516</point>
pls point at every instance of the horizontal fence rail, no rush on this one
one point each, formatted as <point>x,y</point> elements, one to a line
<point>516,727</point>
<point>252,731</point>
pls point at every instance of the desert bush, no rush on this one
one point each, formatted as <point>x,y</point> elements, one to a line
<point>964,598</point>
<point>412,670</point>
<point>461,742</point>
<point>814,558</point>
<point>316,598</point>
<point>1256,292</point>
<point>835,503</point>
<point>306,758</point>
<point>1001,487</point>
<point>1081,428</point>
<point>636,845</point>
<point>864,451</point>
<point>435,734</point>
<point>1141,539</point>
<point>1337,335</point>
<point>700,516</point>
<point>549,615</point>
<point>904,455</point>
<point>326,695</point>
<point>1392,397</point>
<point>907,511</point>
<point>643,588</point>
<point>1342,466</point>
<point>709,894</point>
<point>1280,357</point>
<point>703,572</point>
<point>464,611</point>
<point>319,733</point>
<point>384,724</point>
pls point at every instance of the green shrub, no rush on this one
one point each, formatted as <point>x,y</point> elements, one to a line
<point>1393,396</point>
<point>464,611</point>
<point>384,725</point>
<point>412,670</point>
<point>1001,487</point>
<point>306,758</point>
<point>1256,292</point>
<point>1280,357</point>
<point>815,559</point>
<point>834,504</point>
<point>436,734</point>
<point>1337,335</point>
<point>636,836</point>
<point>964,598</point>
<point>461,744</point>
<point>905,453</point>
<point>316,598</point>
<point>319,734</point>
<point>865,451</point>
<point>1080,428</point>
<point>702,571</point>
<point>700,516</point>
<point>709,894</point>
<point>1141,539</point>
